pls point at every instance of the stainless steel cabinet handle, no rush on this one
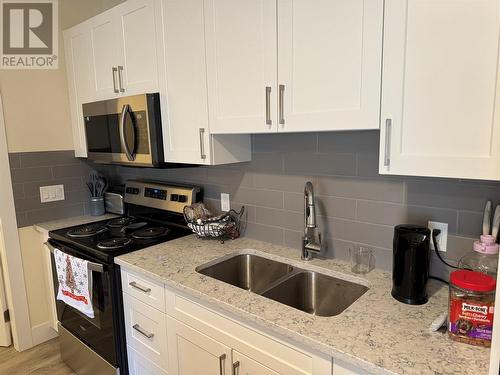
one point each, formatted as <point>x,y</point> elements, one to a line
<point>202,143</point>
<point>387,151</point>
<point>268,106</point>
<point>281,109</point>
<point>133,284</point>
<point>236,366</point>
<point>113,71</point>
<point>222,369</point>
<point>143,332</point>
<point>120,78</point>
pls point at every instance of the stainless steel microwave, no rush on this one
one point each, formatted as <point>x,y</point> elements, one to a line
<point>125,130</point>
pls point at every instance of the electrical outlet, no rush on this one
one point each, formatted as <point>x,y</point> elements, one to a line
<point>225,206</point>
<point>51,193</point>
<point>443,236</point>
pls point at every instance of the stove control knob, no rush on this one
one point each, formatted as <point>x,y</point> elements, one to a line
<point>174,197</point>
<point>183,198</point>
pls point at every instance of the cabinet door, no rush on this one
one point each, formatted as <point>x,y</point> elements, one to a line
<point>241,65</point>
<point>439,104</point>
<point>185,109</point>
<point>80,73</point>
<point>138,43</point>
<point>193,353</point>
<point>105,53</point>
<point>329,64</point>
<point>244,365</point>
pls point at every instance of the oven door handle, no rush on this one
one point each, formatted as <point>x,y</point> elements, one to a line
<point>130,153</point>
<point>96,267</point>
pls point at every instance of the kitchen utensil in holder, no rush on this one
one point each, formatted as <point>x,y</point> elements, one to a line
<point>220,227</point>
<point>97,206</point>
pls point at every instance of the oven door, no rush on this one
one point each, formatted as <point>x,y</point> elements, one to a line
<point>126,130</point>
<point>99,332</point>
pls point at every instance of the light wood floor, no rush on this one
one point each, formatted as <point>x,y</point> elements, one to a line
<point>43,359</point>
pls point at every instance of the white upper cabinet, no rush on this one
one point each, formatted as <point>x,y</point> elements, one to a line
<point>440,105</point>
<point>105,55</point>
<point>329,64</point>
<point>293,65</point>
<point>185,111</point>
<point>139,44</point>
<point>183,87</point>
<point>241,65</point>
<point>80,70</point>
<point>123,50</point>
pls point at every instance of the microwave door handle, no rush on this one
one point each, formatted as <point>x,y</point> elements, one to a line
<point>128,152</point>
<point>96,267</point>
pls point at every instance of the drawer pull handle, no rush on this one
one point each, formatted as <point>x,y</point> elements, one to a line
<point>143,332</point>
<point>236,368</point>
<point>133,284</point>
<point>222,369</point>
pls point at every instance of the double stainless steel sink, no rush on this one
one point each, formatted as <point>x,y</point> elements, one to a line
<point>309,291</point>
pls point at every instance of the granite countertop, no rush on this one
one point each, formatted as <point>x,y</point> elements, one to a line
<point>70,221</point>
<point>376,333</point>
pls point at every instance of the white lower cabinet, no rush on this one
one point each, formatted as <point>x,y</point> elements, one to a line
<point>140,365</point>
<point>244,365</point>
<point>193,353</point>
<point>195,339</point>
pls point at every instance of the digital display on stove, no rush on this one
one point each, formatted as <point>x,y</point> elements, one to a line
<point>155,193</point>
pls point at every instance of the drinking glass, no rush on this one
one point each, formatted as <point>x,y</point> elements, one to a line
<point>361,259</point>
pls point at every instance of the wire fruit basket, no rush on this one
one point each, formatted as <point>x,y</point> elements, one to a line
<point>223,227</point>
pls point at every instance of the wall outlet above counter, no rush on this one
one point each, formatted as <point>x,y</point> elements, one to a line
<point>51,193</point>
<point>442,239</point>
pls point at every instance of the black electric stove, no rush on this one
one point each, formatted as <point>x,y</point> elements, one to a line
<point>154,215</point>
<point>107,239</point>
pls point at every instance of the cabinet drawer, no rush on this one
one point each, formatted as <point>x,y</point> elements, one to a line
<point>139,365</point>
<point>146,330</point>
<point>144,289</point>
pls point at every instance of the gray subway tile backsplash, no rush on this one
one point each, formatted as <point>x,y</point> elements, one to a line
<point>30,170</point>
<point>281,218</point>
<point>356,206</point>
<point>377,189</point>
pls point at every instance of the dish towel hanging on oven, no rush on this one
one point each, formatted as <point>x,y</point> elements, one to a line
<point>74,282</point>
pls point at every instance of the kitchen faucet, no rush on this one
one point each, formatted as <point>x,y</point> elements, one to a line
<point>309,243</point>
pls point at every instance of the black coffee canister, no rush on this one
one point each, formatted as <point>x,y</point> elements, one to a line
<point>410,268</point>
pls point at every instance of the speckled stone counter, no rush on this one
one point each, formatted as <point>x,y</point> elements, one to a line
<point>70,221</point>
<point>376,333</point>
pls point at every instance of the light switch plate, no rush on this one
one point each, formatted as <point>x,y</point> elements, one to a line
<point>51,193</point>
<point>225,206</point>
<point>442,238</point>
